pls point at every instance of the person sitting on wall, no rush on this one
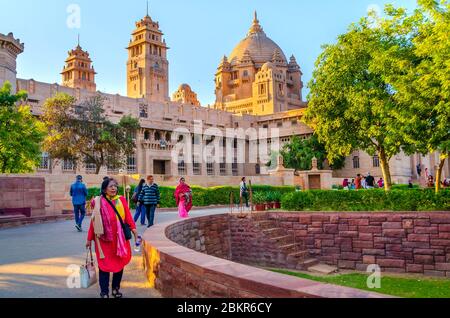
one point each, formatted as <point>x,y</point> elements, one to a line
<point>430,183</point>
<point>380,183</point>
<point>345,184</point>
<point>370,181</point>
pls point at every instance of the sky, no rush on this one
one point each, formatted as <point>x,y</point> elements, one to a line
<point>198,32</point>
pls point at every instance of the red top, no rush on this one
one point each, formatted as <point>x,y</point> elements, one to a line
<point>113,263</point>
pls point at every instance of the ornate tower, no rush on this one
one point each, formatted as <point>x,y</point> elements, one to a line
<point>78,71</point>
<point>147,65</point>
<point>10,48</point>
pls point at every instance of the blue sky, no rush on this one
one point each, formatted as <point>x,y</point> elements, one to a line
<point>198,32</point>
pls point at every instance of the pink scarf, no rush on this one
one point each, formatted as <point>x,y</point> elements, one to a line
<point>108,235</point>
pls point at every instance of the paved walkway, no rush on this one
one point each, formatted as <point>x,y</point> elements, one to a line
<point>35,260</point>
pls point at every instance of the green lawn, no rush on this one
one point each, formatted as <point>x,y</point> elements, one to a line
<point>396,286</point>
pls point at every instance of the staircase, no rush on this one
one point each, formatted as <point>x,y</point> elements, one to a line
<point>295,254</point>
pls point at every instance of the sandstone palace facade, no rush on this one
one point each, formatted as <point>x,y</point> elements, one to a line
<point>256,86</point>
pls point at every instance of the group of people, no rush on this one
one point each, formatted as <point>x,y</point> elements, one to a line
<point>362,182</point>
<point>112,226</point>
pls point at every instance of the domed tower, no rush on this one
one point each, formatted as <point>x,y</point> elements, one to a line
<point>185,95</point>
<point>10,48</point>
<point>78,72</point>
<point>147,65</point>
<point>243,86</point>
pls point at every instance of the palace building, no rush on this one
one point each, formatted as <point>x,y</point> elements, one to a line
<point>256,87</point>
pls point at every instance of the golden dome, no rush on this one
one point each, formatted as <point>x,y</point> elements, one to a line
<point>260,47</point>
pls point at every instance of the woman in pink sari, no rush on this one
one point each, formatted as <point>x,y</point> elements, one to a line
<point>183,198</point>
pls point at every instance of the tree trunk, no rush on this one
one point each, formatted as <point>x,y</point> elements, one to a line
<point>384,163</point>
<point>442,158</point>
<point>97,168</point>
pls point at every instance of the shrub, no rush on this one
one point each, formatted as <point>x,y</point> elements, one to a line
<point>205,196</point>
<point>373,200</point>
<point>259,198</point>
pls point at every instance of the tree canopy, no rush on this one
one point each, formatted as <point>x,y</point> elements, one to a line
<point>383,87</point>
<point>21,134</point>
<point>82,133</point>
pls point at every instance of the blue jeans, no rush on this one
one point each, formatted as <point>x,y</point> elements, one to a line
<point>150,211</point>
<point>140,211</point>
<point>80,212</point>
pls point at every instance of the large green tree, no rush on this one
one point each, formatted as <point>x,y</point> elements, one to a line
<point>21,134</point>
<point>82,132</point>
<point>351,104</point>
<point>419,71</point>
<point>298,154</point>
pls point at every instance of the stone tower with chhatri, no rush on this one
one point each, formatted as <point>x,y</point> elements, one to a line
<point>78,71</point>
<point>10,48</point>
<point>257,79</point>
<point>147,65</point>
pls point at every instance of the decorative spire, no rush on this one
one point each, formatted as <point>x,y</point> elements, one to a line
<point>256,27</point>
<point>78,46</point>
<point>147,9</point>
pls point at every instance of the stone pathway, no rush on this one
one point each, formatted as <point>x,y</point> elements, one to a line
<point>36,260</point>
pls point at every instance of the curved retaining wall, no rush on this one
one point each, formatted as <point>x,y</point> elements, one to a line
<point>178,271</point>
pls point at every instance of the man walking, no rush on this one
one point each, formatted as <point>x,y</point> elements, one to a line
<point>244,191</point>
<point>78,192</point>
<point>150,197</point>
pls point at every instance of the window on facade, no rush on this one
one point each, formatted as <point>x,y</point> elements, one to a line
<point>89,165</point>
<point>245,73</point>
<point>376,161</point>
<point>131,164</point>
<point>146,135</point>
<point>279,124</point>
<point>143,110</point>
<point>257,169</point>
<point>210,167</point>
<point>157,136</point>
<point>181,167</point>
<point>294,123</point>
<point>223,167</point>
<point>234,167</point>
<point>45,161</point>
<point>355,162</point>
<point>196,166</point>
<point>157,87</point>
<point>68,165</point>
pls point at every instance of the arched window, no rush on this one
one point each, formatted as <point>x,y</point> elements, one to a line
<point>157,136</point>
<point>168,136</point>
<point>147,135</point>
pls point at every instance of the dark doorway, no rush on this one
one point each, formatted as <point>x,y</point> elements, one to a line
<point>314,182</point>
<point>159,167</point>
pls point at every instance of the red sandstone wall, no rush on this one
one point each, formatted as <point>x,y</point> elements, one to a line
<point>209,235</point>
<point>398,242</point>
<point>23,192</point>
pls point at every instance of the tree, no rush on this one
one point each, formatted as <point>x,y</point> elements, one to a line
<point>351,105</point>
<point>21,134</point>
<point>420,77</point>
<point>298,154</point>
<point>82,133</point>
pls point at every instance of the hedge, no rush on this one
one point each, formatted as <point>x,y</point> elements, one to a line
<point>203,196</point>
<point>367,200</point>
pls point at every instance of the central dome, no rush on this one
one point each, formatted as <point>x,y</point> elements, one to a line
<point>260,47</point>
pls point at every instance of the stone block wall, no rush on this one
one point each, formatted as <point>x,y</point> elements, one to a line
<point>397,242</point>
<point>23,192</point>
<point>209,235</point>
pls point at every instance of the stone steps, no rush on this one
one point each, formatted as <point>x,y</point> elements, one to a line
<point>283,239</point>
<point>305,264</point>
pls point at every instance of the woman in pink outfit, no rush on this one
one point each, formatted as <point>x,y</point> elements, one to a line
<point>183,198</point>
<point>112,249</point>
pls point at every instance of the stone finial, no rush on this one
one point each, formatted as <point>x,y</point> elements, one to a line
<point>280,162</point>
<point>314,163</point>
<point>256,27</point>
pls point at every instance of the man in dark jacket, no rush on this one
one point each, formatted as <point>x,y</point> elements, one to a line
<point>78,192</point>
<point>150,198</point>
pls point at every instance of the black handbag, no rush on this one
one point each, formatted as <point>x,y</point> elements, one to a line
<point>125,227</point>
